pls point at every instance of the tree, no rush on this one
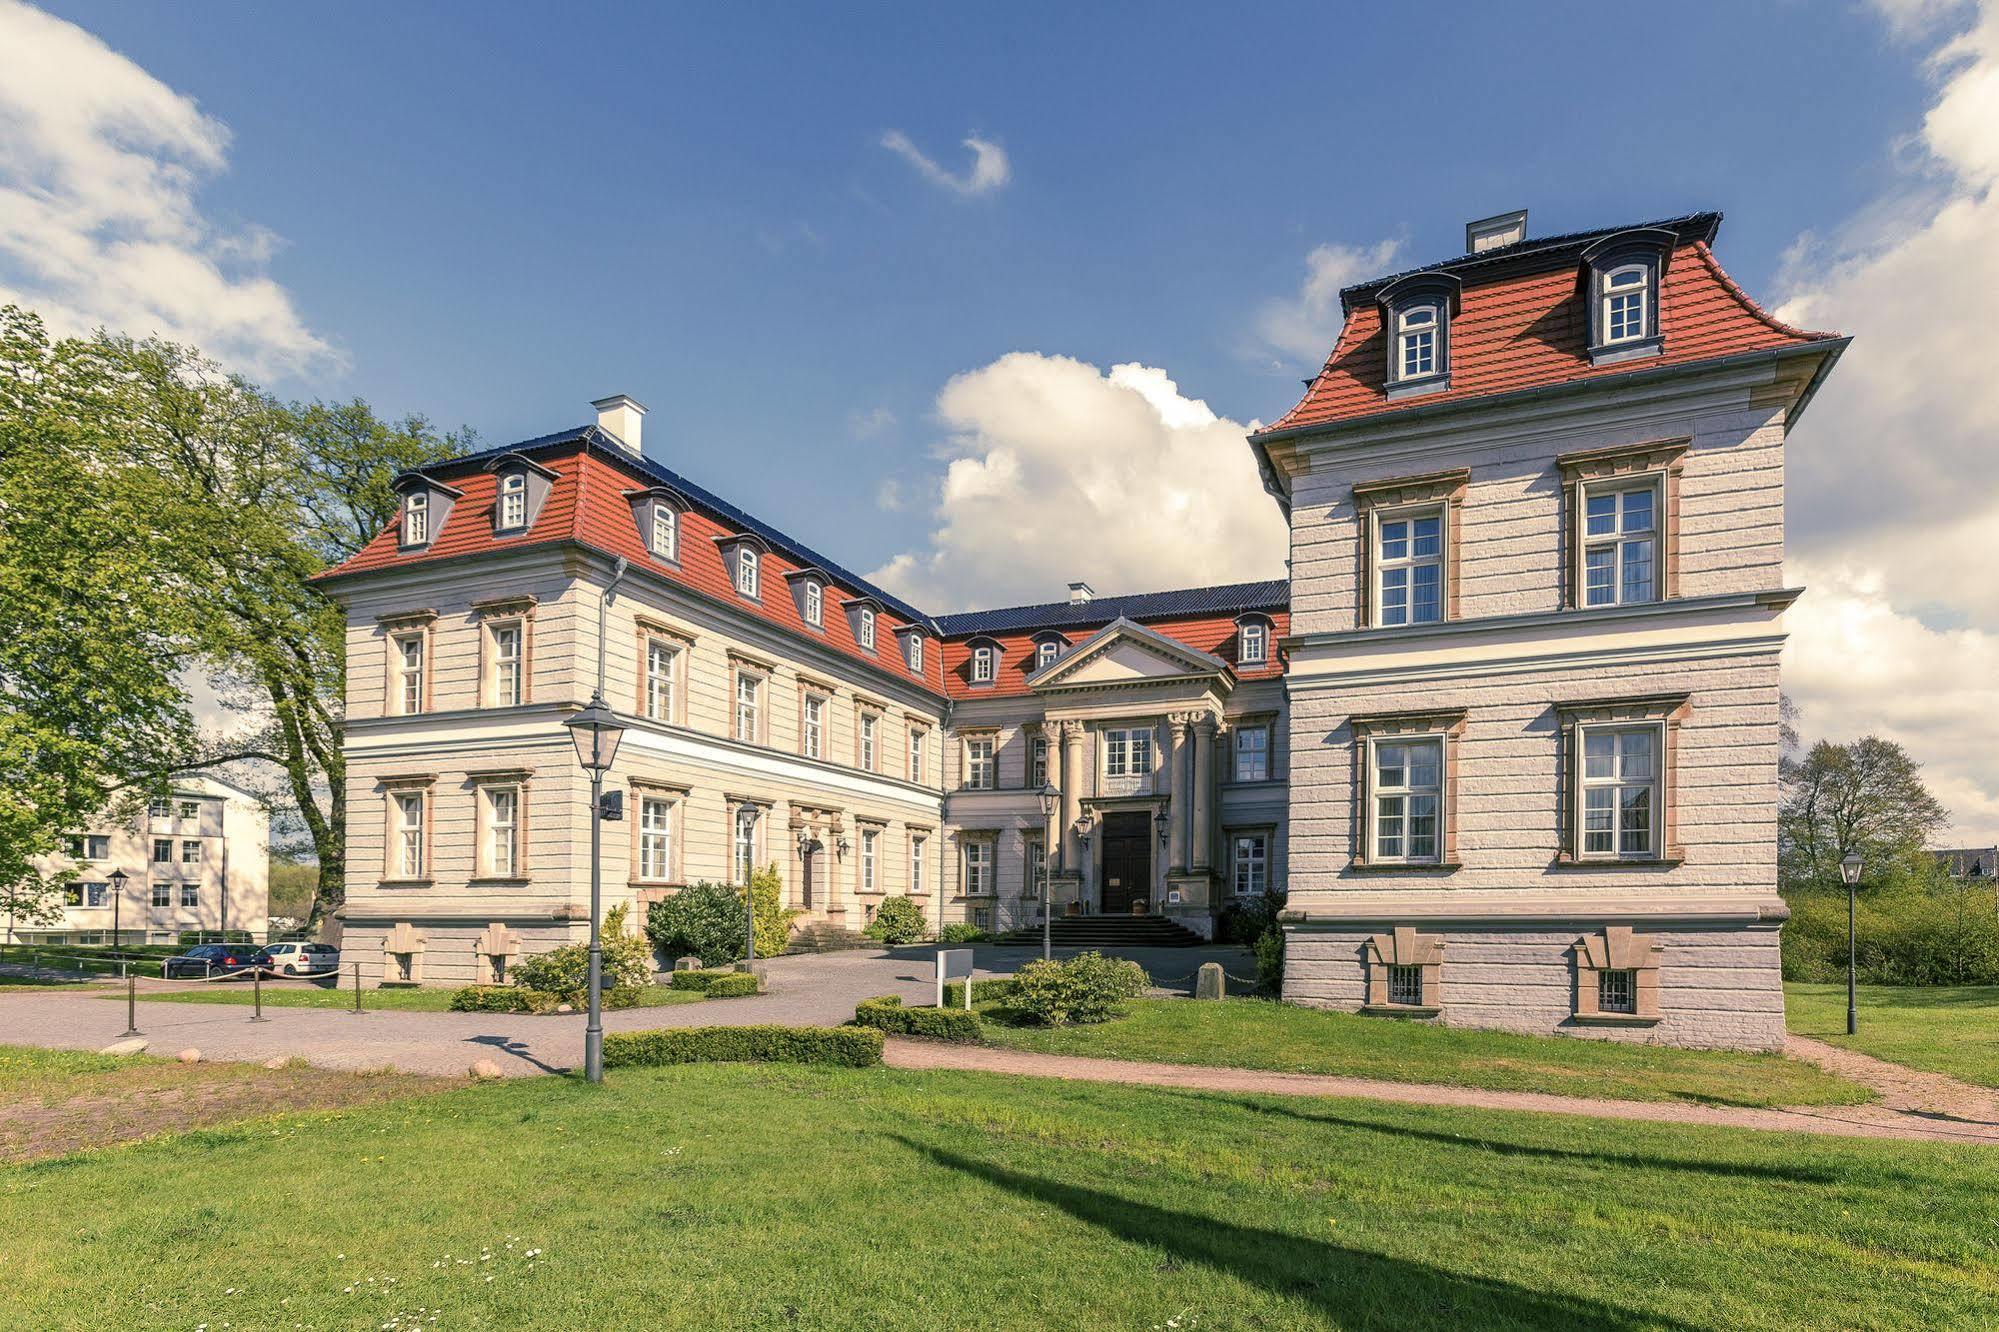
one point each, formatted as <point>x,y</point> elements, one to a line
<point>1867,796</point>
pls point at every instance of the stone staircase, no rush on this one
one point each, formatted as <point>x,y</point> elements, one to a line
<point>821,937</point>
<point>1109,932</point>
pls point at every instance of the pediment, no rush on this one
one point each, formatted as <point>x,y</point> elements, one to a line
<point>1124,653</point>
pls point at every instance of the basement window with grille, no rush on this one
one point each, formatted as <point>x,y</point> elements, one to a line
<point>1617,991</point>
<point>1405,985</point>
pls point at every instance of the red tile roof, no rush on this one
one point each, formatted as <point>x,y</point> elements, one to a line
<point>1524,330</point>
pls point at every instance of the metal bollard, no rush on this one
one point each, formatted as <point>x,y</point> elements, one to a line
<point>257,995</point>
<point>357,988</point>
<point>131,1003</point>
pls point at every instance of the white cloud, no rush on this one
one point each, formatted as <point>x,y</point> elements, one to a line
<point>989,170</point>
<point>871,424</point>
<point>1303,328</point>
<point>99,166</point>
<point>888,495</point>
<point>1057,471</point>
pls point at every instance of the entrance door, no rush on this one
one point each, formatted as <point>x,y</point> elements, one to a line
<point>805,885</point>
<point>1127,861</point>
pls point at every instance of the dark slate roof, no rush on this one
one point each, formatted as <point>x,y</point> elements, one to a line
<point>592,437</point>
<point>1538,249</point>
<point>1229,599</point>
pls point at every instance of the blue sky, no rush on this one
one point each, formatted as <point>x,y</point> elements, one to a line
<point>766,223</point>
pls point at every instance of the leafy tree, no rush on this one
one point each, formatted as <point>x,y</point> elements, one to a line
<point>1866,795</point>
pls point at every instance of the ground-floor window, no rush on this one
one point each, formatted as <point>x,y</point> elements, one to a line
<point>1252,864</point>
<point>190,894</point>
<point>978,869</point>
<point>1405,985</point>
<point>746,842</point>
<point>163,894</point>
<point>1617,991</point>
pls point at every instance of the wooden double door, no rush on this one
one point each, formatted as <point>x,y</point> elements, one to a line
<point>1127,861</point>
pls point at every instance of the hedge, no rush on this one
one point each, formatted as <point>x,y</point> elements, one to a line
<point>848,1047</point>
<point>716,984</point>
<point>990,991</point>
<point>886,1013</point>
<point>520,999</point>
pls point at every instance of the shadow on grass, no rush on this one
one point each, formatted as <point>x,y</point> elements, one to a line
<point>517,1049</point>
<point>1791,1174</point>
<point>1350,1287</point>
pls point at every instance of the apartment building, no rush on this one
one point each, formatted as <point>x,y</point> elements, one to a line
<point>196,860</point>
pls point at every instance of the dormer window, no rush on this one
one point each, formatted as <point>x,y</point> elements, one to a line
<point>1626,294</point>
<point>665,540</point>
<point>1416,342</point>
<point>1045,653</point>
<point>815,603</point>
<point>912,648</point>
<point>513,501</point>
<point>1252,643</point>
<point>746,573</point>
<point>1621,282</point>
<point>865,631</point>
<point>985,663</point>
<point>416,519</point>
<point>1416,314</point>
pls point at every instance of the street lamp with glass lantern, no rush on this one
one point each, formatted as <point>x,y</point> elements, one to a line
<point>1049,798</point>
<point>1849,870</point>
<point>118,880</point>
<point>596,731</point>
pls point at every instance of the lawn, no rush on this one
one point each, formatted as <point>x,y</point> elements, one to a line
<point>782,1197</point>
<point>388,1000</point>
<point>1950,1029</point>
<point>1255,1033</point>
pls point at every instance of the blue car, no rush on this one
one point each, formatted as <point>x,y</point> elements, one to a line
<point>205,960</point>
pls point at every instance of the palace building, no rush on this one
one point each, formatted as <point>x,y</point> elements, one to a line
<point>1507,736</point>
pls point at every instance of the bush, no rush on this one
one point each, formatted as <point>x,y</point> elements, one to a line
<point>898,920</point>
<point>996,990</point>
<point>520,999</point>
<point>849,1047</point>
<point>1906,935</point>
<point>963,933</point>
<point>886,1013</point>
<point>1270,960</point>
<point>1087,988</point>
<point>706,920</point>
<point>1246,920</point>
<point>565,971</point>
<point>717,984</point>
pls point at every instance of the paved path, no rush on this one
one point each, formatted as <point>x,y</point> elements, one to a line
<point>1883,1120</point>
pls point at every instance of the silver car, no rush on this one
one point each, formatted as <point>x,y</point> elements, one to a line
<point>300,959</point>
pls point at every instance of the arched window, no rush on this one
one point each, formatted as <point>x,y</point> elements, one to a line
<point>815,602</point>
<point>746,571</point>
<point>914,648</point>
<point>1253,647</point>
<point>985,663</point>
<point>513,501</point>
<point>1045,652</point>
<point>1625,295</point>
<point>866,633</point>
<point>665,531</point>
<point>1416,342</point>
<point>416,519</point>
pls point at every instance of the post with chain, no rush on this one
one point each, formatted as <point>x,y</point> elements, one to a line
<point>131,1000</point>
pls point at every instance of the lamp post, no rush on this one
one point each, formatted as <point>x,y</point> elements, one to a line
<point>118,880</point>
<point>1049,798</point>
<point>596,732</point>
<point>1849,869</point>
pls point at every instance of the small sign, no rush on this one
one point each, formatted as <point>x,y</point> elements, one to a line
<point>954,964</point>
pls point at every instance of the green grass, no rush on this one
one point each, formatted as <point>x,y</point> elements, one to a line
<point>1950,1029</point>
<point>388,1000</point>
<point>1254,1033</point>
<point>727,1197</point>
<point>30,1069</point>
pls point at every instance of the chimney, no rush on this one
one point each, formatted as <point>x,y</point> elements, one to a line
<point>1080,594</point>
<point>1489,233</point>
<point>621,416</point>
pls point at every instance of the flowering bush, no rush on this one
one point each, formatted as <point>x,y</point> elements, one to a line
<point>1087,988</point>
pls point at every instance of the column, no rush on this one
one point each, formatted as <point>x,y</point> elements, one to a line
<point>1181,763</point>
<point>1072,796</point>
<point>1204,783</point>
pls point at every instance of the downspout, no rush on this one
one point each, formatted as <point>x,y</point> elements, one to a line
<point>603,605</point>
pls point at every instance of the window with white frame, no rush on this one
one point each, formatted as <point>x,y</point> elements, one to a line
<point>665,530</point>
<point>513,501</point>
<point>1252,753</point>
<point>919,847</point>
<point>416,519</point>
<point>662,659</point>
<point>979,774</point>
<point>160,807</point>
<point>1409,567</point>
<point>1416,341</point>
<point>913,653</point>
<point>985,662</point>
<point>163,850</point>
<point>749,700</point>
<point>409,840</point>
<point>95,894</point>
<point>748,817</point>
<point>978,868</point>
<point>1620,543</point>
<point>1038,766</point>
<point>94,847</point>
<point>409,672</point>
<point>504,639</point>
<point>870,724</point>
<point>499,852</point>
<point>655,838</point>
<point>1408,791</point>
<point>190,853</point>
<point>1625,293</point>
<point>871,860</point>
<point>1128,753</point>
<point>1045,653</point>
<point>1034,869</point>
<point>815,603</point>
<point>917,736</point>
<point>1254,645</point>
<point>1252,863</point>
<point>190,894</point>
<point>190,809</point>
<point>746,572</point>
<point>866,631</point>
<point>162,895</point>
<point>1620,791</point>
<point>812,733</point>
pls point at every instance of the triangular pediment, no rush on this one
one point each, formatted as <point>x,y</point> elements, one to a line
<point>1125,653</point>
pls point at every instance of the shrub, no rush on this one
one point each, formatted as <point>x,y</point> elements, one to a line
<point>849,1047</point>
<point>1246,920</point>
<point>1906,935</point>
<point>718,984</point>
<point>565,971</point>
<point>898,920</point>
<point>1270,960</point>
<point>1086,988</point>
<point>992,991</point>
<point>520,999</point>
<point>887,1013</point>
<point>706,920</point>
<point>963,933</point>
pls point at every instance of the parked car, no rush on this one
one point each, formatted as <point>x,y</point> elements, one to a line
<point>205,960</point>
<point>299,959</point>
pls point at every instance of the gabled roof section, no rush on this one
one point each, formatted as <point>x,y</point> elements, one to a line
<point>1226,599</point>
<point>1523,323</point>
<point>1074,667</point>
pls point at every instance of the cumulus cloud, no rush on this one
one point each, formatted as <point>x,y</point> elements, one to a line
<point>1057,470</point>
<point>99,225</point>
<point>988,171</point>
<point>1302,328</point>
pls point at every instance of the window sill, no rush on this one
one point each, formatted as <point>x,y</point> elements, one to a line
<point>1418,867</point>
<point>392,884</point>
<point>1400,1010</point>
<point>1617,863</point>
<point>638,885</point>
<point>499,881</point>
<point>1416,388</point>
<point>1614,1020</point>
<point>1637,349</point>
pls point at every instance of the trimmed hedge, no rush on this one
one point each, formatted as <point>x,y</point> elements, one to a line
<point>717,984</point>
<point>886,1013</point>
<point>848,1047</point>
<point>962,933</point>
<point>520,999</point>
<point>989,991</point>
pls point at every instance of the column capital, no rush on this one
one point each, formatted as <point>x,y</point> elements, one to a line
<point>1207,724</point>
<point>1069,730</point>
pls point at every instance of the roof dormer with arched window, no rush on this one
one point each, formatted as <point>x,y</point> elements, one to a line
<point>520,485</point>
<point>1416,314</point>
<point>1622,275</point>
<point>423,507</point>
